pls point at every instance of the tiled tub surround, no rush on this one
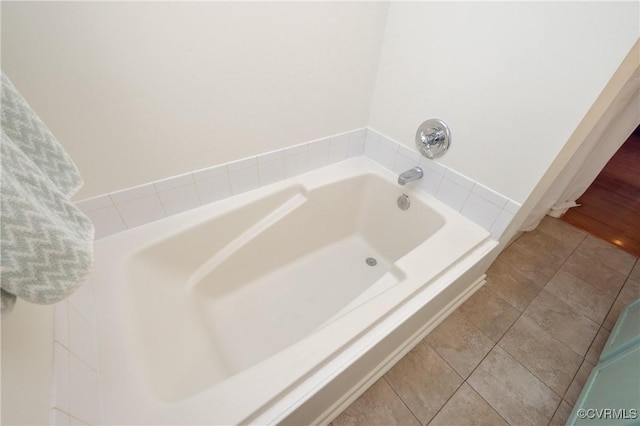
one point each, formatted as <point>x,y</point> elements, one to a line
<point>128,208</point>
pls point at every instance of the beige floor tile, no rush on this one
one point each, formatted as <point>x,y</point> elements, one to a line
<point>635,272</point>
<point>379,405</point>
<point>593,354</point>
<point>489,313</point>
<point>608,254</point>
<point>528,263</point>
<point>562,414</point>
<point>578,383</point>
<point>514,392</point>
<point>460,343</point>
<point>553,251</point>
<point>562,322</point>
<point>506,282</point>
<point>581,296</point>
<point>612,316</point>
<point>424,381</point>
<point>594,272</point>
<point>630,291</point>
<point>550,360</point>
<point>562,231</point>
<point>466,407</point>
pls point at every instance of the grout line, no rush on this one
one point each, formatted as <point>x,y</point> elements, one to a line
<point>448,399</point>
<point>94,370</point>
<point>399,397</point>
<point>555,411</point>
<point>487,402</point>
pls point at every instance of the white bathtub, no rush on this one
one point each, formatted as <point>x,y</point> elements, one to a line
<point>244,310</point>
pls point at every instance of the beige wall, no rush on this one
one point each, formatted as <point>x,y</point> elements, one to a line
<point>512,79</point>
<point>139,91</point>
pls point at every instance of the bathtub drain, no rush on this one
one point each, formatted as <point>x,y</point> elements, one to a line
<point>371,261</point>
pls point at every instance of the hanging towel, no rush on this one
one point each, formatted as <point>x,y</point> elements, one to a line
<point>46,242</point>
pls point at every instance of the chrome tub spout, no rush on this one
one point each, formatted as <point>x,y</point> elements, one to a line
<point>410,175</point>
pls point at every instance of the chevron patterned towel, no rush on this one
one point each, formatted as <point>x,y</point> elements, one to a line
<point>46,242</point>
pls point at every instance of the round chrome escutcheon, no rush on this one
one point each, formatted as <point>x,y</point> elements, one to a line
<point>433,138</point>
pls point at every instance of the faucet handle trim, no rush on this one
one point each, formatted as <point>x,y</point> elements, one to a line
<point>433,138</point>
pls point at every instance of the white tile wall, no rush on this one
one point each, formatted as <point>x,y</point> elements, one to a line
<point>174,182</point>
<point>75,397</point>
<point>271,171</point>
<point>84,400</point>
<point>403,163</point>
<point>295,164</point>
<point>512,207</point>
<point>244,180</point>
<point>60,394</point>
<point>143,210</point>
<point>213,188</point>
<point>133,193</point>
<point>433,166</point>
<point>356,145</point>
<point>242,164</point>
<point>61,321</point>
<point>318,155</point>
<point>73,421</point>
<point>501,223</point>
<point>339,148</point>
<point>490,195</point>
<point>81,338</point>
<point>104,215</point>
<point>459,179</point>
<point>59,418</point>
<point>180,199</point>
<point>371,142</point>
<point>480,210</point>
<point>81,300</point>
<point>452,194</point>
<point>430,182</point>
<point>210,173</point>
<point>386,154</point>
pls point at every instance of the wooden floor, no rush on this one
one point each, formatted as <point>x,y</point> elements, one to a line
<point>610,208</point>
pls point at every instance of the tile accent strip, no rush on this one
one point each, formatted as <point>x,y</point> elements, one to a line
<point>117,211</point>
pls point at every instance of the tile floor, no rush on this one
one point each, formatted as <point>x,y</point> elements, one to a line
<point>520,349</point>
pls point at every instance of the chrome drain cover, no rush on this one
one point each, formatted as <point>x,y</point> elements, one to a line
<point>371,261</point>
<point>404,202</point>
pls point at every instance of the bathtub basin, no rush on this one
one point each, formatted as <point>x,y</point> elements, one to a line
<point>240,310</point>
